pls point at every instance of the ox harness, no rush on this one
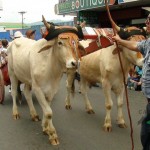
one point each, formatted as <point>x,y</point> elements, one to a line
<point>101,39</point>
<point>124,33</point>
<point>52,32</point>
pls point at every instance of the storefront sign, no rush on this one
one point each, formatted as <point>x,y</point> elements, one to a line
<point>126,1</point>
<point>77,5</point>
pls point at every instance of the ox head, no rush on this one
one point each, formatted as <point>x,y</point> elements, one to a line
<point>64,45</point>
<point>132,34</point>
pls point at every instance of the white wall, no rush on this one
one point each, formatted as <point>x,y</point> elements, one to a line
<point>1,6</point>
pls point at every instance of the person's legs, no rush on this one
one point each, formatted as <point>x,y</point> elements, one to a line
<point>145,128</point>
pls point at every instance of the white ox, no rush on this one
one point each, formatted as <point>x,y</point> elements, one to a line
<point>104,67</point>
<point>40,66</point>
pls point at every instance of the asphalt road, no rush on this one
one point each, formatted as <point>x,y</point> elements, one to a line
<point>76,129</point>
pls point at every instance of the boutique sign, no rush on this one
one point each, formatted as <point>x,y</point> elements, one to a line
<point>77,5</point>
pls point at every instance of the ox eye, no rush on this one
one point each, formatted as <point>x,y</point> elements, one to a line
<point>60,43</point>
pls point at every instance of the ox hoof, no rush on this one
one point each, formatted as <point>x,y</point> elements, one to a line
<point>68,107</point>
<point>91,111</point>
<point>54,142</point>
<point>36,118</point>
<point>16,116</point>
<point>122,125</point>
<point>107,128</point>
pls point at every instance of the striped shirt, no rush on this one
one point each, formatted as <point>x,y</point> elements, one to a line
<point>144,48</point>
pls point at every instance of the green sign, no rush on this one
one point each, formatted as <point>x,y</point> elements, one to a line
<point>77,5</point>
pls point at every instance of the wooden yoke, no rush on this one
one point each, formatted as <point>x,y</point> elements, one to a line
<point>101,38</point>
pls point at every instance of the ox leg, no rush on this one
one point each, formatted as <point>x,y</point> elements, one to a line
<point>14,84</point>
<point>120,118</point>
<point>108,104</point>
<point>45,124</point>
<point>28,96</point>
<point>47,116</point>
<point>70,87</point>
<point>84,89</point>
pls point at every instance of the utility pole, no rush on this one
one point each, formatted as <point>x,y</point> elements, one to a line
<point>22,13</point>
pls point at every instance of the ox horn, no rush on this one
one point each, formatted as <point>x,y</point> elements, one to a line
<point>83,24</point>
<point>47,25</point>
<point>116,27</point>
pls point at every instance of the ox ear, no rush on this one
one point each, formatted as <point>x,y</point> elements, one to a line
<point>45,47</point>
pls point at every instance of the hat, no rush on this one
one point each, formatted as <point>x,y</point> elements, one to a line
<point>18,34</point>
<point>30,32</point>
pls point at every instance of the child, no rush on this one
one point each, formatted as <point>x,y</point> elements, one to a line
<point>134,82</point>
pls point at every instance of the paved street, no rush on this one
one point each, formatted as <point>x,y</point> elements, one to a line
<point>76,129</point>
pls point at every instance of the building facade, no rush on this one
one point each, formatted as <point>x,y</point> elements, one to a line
<point>124,12</point>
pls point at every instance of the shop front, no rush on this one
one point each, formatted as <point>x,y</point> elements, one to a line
<point>94,11</point>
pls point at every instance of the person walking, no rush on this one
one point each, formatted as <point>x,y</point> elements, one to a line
<point>144,48</point>
<point>17,34</point>
<point>30,34</point>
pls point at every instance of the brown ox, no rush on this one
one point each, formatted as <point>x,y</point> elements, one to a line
<point>103,67</point>
<point>40,66</point>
